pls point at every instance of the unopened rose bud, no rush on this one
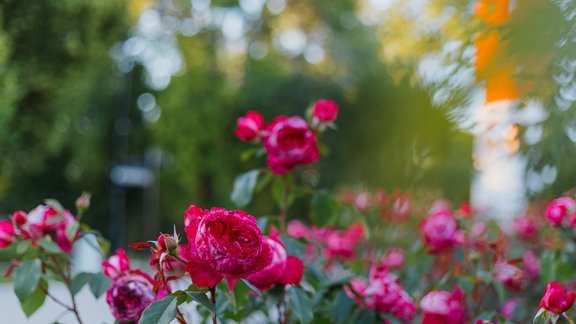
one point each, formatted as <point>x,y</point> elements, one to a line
<point>167,243</point>
<point>19,218</point>
<point>83,202</point>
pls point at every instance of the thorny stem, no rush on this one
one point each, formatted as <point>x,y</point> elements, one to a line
<point>213,299</point>
<point>64,273</point>
<point>179,315</point>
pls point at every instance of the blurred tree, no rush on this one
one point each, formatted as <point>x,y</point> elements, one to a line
<point>57,89</point>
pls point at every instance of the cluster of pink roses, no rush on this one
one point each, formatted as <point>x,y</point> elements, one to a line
<point>43,222</point>
<point>221,244</point>
<point>384,293</point>
<point>515,278</point>
<point>334,244</point>
<point>396,206</point>
<point>444,307</point>
<point>288,141</point>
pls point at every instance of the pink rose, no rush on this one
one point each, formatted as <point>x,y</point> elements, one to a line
<point>394,259</point>
<point>289,142</point>
<point>557,210</point>
<point>440,232</point>
<point>509,275</point>
<point>129,295</point>
<point>325,110</point>
<point>61,237</point>
<point>444,307</point>
<point>341,244</point>
<point>531,265</point>
<point>248,127</point>
<point>465,210</point>
<point>404,309</point>
<point>283,269</point>
<point>6,233</point>
<point>224,243</point>
<point>556,299</point>
<point>19,218</point>
<point>525,227</point>
<point>42,220</point>
<point>508,309</point>
<point>297,229</point>
<point>116,265</point>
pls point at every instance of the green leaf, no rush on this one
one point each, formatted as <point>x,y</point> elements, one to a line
<point>35,300</point>
<point>251,287</point>
<point>244,187</point>
<point>71,231</point>
<point>342,307</point>
<point>79,281</point>
<point>23,247</point>
<point>202,299</point>
<point>49,246</point>
<point>323,209</point>
<point>26,278</point>
<point>301,305</point>
<point>162,311</point>
<point>98,284</point>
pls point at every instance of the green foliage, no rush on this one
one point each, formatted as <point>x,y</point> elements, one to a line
<point>162,311</point>
<point>244,185</point>
<point>26,278</point>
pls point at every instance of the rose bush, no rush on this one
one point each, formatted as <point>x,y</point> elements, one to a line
<point>353,256</point>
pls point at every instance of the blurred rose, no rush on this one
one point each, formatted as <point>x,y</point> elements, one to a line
<point>63,240</point>
<point>442,307</point>
<point>404,309</point>
<point>465,210</point>
<point>289,142</point>
<point>394,258</point>
<point>7,233</point>
<point>224,243</point>
<point>325,110</point>
<point>341,244</point>
<point>297,229</point>
<point>531,265</point>
<point>283,269</point>
<point>248,127</point>
<point>41,220</point>
<point>116,265</point>
<point>19,218</point>
<point>508,309</point>
<point>440,231</point>
<point>509,275</point>
<point>557,210</point>
<point>526,227</point>
<point>129,295</point>
<point>555,298</point>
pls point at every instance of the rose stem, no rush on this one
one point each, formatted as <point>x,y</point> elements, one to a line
<point>169,291</point>
<point>213,298</point>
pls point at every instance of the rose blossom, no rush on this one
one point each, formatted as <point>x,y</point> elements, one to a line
<point>509,275</point>
<point>444,307</point>
<point>531,265</point>
<point>283,269</point>
<point>129,295</point>
<point>509,308</point>
<point>440,231</point>
<point>6,233</point>
<point>557,210</point>
<point>19,218</point>
<point>116,265</point>
<point>555,298</point>
<point>289,142</point>
<point>325,110</point>
<point>526,227</point>
<point>341,244</point>
<point>394,259</point>
<point>223,243</point>
<point>248,127</point>
<point>61,237</point>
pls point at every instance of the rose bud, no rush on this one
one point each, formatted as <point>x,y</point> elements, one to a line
<point>224,243</point>
<point>116,265</point>
<point>167,243</point>
<point>325,111</point>
<point>129,295</point>
<point>557,210</point>
<point>248,127</point>
<point>444,307</point>
<point>83,202</point>
<point>19,218</point>
<point>555,298</point>
<point>7,233</point>
<point>289,142</point>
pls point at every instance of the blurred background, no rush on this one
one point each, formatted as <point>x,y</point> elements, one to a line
<point>136,101</point>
